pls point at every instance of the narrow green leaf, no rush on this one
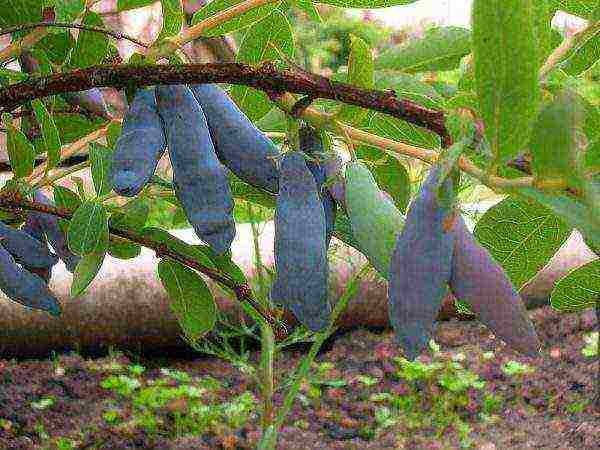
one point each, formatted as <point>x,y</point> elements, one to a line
<point>257,46</point>
<point>361,74</point>
<point>100,158</point>
<point>310,9</point>
<point>14,12</point>
<point>568,209</point>
<point>191,300</point>
<point>50,135</point>
<point>439,49</point>
<point>579,290</point>
<point>85,272</point>
<point>522,236</point>
<point>581,8</point>
<point>132,215</point>
<point>237,23</point>
<point>88,230</point>
<point>66,199</point>
<point>555,137</point>
<point>177,245</point>
<point>506,76</point>
<point>21,152</point>
<point>583,57</point>
<point>173,18</point>
<point>57,46</point>
<point>90,47</point>
<point>122,248</point>
<point>114,131</point>
<point>543,29</point>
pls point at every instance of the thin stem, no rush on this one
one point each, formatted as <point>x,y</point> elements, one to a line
<point>243,293</point>
<point>51,24</point>
<point>15,49</point>
<point>563,50</point>
<point>49,180</point>
<point>304,366</point>
<point>70,150</point>
<point>168,46</point>
<point>267,352</point>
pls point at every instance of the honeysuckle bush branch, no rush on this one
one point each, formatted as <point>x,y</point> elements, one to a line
<point>278,84</point>
<point>52,24</point>
<point>243,293</point>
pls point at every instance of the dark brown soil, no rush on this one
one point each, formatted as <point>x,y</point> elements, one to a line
<point>357,398</point>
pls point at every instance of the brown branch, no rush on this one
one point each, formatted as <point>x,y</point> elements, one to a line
<point>266,78</point>
<point>51,24</point>
<point>242,291</point>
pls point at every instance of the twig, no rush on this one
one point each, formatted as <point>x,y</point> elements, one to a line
<point>170,45</point>
<point>13,50</point>
<point>242,291</point>
<point>51,24</point>
<point>265,78</point>
<point>565,47</point>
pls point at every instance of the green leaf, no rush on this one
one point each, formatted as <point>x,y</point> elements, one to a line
<point>74,126</point>
<point>398,130</point>
<point>555,136</point>
<point>100,158</point>
<point>522,236</point>
<point>86,270</point>
<point>192,301</point>
<point>579,290</point>
<point>360,74</point>
<point>542,22</point>
<point>224,263</point>
<point>69,10</point>
<point>389,173</point>
<point>409,87</point>
<point>14,12</point>
<point>439,49</point>
<point>177,245</point>
<point>568,209</point>
<point>90,47</point>
<point>173,18</point>
<point>234,24</point>
<point>506,76</point>
<point>310,9</point>
<point>366,4</point>
<point>583,57</point>
<point>124,5</point>
<point>114,131</point>
<point>50,135</point>
<point>88,230</point>
<point>21,153</point>
<point>257,46</point>
<point>122,248</point>
<point>66,199</point>
<point>581,8</point>
<point>132,215</point>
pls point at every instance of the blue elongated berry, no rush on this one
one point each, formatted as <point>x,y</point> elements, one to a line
<point>420,267</point>
<point>240,145</point>
<point>56,237</point>
<point>201,182</point>
<point>140,146</point>
<point>25,249</point>
<point>300,246</point>
<point>311,144</point>
<point>25,287</point>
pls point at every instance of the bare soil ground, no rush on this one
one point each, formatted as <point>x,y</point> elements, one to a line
<point>358,397</point>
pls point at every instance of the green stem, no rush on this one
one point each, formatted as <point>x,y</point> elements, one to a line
<point>63,173</point>
<point>269,439</point>
<point>266,373</point>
